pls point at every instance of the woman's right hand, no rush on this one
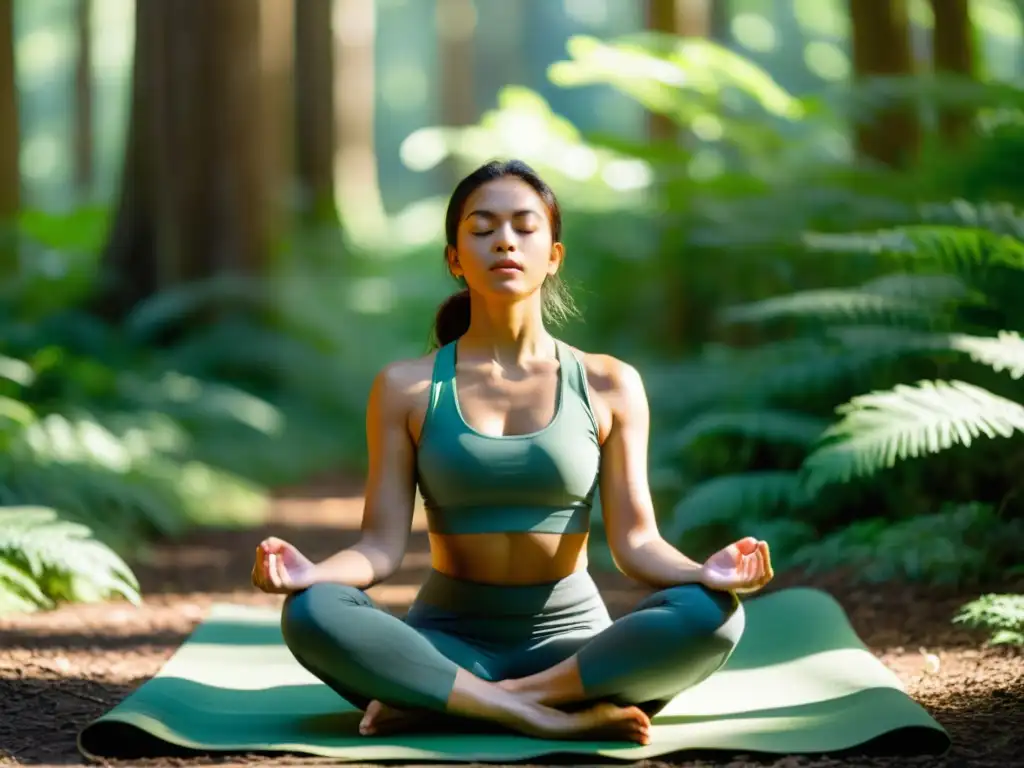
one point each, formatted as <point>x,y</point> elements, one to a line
<point>280,568</point>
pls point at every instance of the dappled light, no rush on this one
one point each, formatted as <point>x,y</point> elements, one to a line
<point>800,221</point>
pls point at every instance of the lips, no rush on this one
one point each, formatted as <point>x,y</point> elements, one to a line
<point>507,264</point>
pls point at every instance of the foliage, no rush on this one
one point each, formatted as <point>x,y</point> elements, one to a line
<point>44,558</point>
<point>111,437</point>
<point>1001,615</point>
<point>966,544</point>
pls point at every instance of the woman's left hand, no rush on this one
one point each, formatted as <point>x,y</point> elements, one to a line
<point>743,566</point>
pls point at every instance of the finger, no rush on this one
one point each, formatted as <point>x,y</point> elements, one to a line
<point>272,570</point>
<point>272,544</point>
<point>767,559</point>
<point>283,579</point>
<point>258,569</point>
<point>746,545</point>
<point>750,568</point>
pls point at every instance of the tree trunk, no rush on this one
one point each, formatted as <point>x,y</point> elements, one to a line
<point>83,138</point>
<point>685,18</point>
<point>953,52</point>
<point>881,47</point>
<point>456,20</point>
<point>277,102</point>
<point>359,201</point>
<point>314,110</point>
<point>10,173</point>
<point>194,200</point>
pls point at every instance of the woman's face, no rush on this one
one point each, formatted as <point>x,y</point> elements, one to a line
<point>504,245</point>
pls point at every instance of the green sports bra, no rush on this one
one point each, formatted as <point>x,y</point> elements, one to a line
<point>542,482</point>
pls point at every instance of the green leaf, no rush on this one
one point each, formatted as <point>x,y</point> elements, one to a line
<point>1005,352</point>
<point>956,249</point>
<point>17,582</point>
<point>16,370</point>
<point>733,498</point>
<point>828,305</point>
<point>62,557</point>
<point>881,428</point>
<point>770,425</point>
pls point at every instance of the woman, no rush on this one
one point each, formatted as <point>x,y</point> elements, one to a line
<point>504,430</point>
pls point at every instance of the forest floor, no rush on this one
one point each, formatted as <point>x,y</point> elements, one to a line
<point>61,669</point>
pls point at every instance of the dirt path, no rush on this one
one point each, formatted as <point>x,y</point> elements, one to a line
<point>59,670</point>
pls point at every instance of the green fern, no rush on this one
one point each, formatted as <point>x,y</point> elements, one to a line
<point>881,428</point>
<point>1000,218</point>
<point>127,484</point>
<point>956,250</point>
<point>1005,352</point>
<point>829,305</point>
<point>733,498</point>
<point>771,425</point>
<point>959,544</point>
<point>1001,615</point>
<point>46,559</point>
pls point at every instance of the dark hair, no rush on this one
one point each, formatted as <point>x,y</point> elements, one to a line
<point>452,319</point>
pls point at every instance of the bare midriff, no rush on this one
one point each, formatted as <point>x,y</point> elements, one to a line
<point>509,558</point>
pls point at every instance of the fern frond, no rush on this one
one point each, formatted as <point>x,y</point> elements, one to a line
<point>62,557</point>
<point>16,370</point>
<point>18,590</point>
<point>1000,218</point>
<point>771,425</point>
<point>1005,352</point>
<point>928,288</point>
<point>761,374</point>
<point>881,428</point>
<point>733,498</point>
<point>955,249</point>
<point>1001,615</point>
<point>958,544</point>
<point>828,305</point>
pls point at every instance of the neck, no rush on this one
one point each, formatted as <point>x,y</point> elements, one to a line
<point>510,333</point>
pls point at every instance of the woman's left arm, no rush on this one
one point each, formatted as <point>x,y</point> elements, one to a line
<point>637,546</point>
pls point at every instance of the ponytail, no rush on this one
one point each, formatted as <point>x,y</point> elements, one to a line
<point>452,319</point>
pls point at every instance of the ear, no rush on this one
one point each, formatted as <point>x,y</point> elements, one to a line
<point>452,257</point>
<point>556,259</point>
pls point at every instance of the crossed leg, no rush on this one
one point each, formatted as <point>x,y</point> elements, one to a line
<point>365,654</point>
<point>670,642</point>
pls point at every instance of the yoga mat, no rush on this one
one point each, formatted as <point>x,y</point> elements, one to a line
<point>800,681</point>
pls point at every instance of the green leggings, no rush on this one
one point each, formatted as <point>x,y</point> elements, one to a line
<point>671,641</point>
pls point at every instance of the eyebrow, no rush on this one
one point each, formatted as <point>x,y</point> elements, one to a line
<point>492,215</point>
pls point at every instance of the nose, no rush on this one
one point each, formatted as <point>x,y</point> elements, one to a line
<point>504,241</point>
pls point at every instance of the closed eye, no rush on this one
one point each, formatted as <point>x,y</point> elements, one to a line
<point>491,232</point>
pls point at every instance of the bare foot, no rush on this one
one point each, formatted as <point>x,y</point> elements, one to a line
<point>604,722</point>
<point>382,720</point>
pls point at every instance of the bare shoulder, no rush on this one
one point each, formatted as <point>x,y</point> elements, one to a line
<point>616,386</point>
<point>403,383</point>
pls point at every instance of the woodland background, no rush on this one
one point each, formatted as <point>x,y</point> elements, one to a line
<point>799,219</point>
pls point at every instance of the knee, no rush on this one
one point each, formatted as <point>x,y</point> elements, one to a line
<point>305,615</point>
<point>706,612</point>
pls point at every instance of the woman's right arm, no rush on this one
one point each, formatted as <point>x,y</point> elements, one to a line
<point>390,486</point>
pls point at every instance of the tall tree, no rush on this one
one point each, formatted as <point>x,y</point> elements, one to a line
<point>456,21</point>
<point>194,196</point>
<point>685,18</point>
<point>953,53</point>
<point>315,132</point>
<point>10,175</point>
<point>83,132</point>
<point>881,48</point>
<point>359,201</point>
